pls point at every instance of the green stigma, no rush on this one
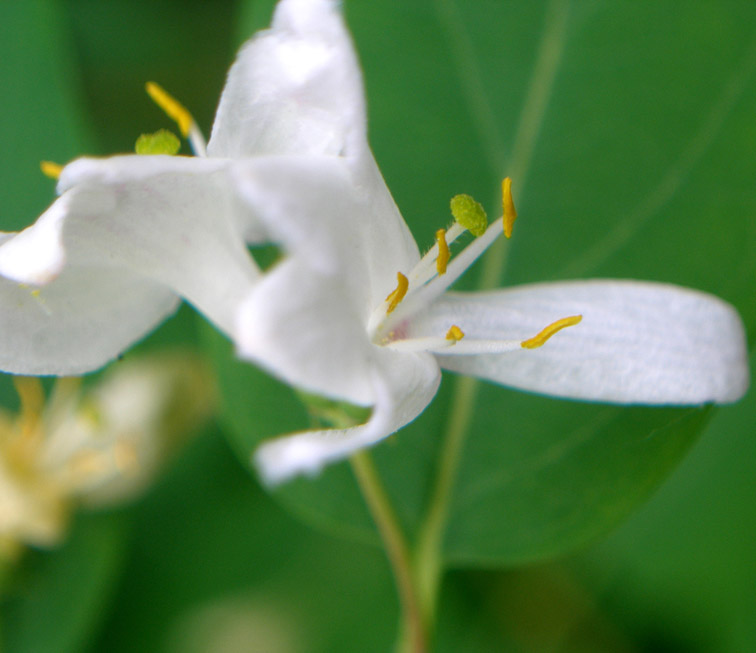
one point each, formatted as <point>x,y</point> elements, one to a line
<point>470,214</point>
<point>161,142</point>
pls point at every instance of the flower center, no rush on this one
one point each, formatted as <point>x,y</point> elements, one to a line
<point>389,324</point>
<point>436,271</point>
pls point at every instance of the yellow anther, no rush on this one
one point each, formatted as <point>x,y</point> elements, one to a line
<point>539,339</point>
<point>443,252</point>
<point>455,333</point>
<point>161,142</point>
<point>50,169</point>
<point>470,214</point>
<point>398,294</point>
<point>172,107</point>
<point>510,213</point>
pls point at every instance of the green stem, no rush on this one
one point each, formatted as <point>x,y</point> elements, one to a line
<point>413,636</point>
<point>428,554</point>
<point>429,559</point>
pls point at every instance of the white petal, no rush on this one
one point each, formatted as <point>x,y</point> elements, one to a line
<point>304,328</point>
<point>172,219</point>
<point>643,343</point>
<point>35,256</point>
<point>403,385</point>
<point>338,218</point>
<point>295,88</point>
<point>80,321</point>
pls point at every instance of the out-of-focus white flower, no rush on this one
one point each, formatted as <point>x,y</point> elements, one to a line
<point>96,447</point>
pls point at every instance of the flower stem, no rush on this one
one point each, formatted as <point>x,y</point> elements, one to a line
<point>413,637</point>
<point>428,554</point>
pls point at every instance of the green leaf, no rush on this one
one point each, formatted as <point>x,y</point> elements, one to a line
<point>628,131</point>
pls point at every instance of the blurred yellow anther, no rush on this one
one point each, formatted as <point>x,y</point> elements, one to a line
<point>455,333</point>
<point>172,107</point>
<point>510,213</point>
<point>50,169</point>
<point>126,457</point>
<point>398,294</point>
<point>443,252</point>
<point>32,397</point>
<point>545,334</point>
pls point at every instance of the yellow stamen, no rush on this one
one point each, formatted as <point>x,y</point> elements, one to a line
<point>172,107</point>
<point>510,213</point>
<point>443,251</point>
<point>50,169</point>
<point>545,334</point>
<point>455,333</point>
<point>398,294</point>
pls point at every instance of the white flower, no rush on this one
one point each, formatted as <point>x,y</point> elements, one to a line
<point>288,162</point>
<point>331,320</point>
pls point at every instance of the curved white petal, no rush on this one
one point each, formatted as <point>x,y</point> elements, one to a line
<point>295,88</point>
<point>403,385</point>
<point>638,342</point>
<point>338,219</point>
<point>78,322</point>
<point>171,219</point>
<point>304,328</point>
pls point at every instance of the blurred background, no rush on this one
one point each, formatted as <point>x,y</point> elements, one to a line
<point>641,164</point>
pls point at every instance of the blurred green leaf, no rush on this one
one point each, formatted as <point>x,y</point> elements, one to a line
<point>685,563</point>
<point>628,129</point>
<point>40,115</point>
<point>62,594</point>
<point>215,565</point>
<point>59,594</point>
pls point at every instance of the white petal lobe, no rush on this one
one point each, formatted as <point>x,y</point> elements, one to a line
<point>294,89</point>
<point>403,385</point>
<point>638,343</point>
